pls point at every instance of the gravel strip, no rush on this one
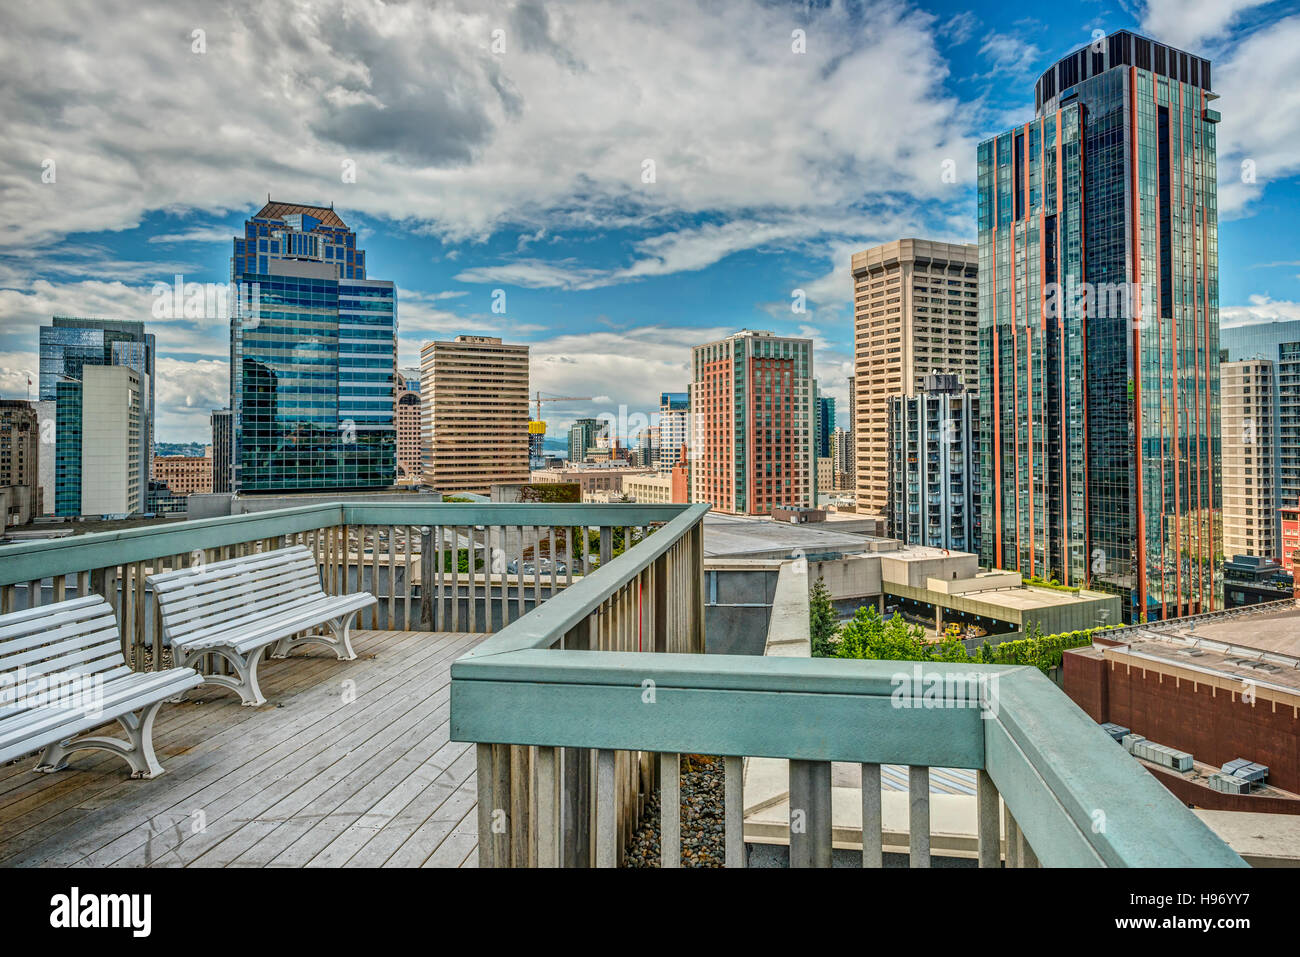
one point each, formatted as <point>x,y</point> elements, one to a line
<point>703,832</point>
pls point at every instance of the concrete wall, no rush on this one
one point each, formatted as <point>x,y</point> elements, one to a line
<point>738,600</point>
<point>914,572</point>
<point>851,577</point>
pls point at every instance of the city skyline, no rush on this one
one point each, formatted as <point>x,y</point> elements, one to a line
<point>667,264</point>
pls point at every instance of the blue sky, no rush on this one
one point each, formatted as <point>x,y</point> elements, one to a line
<point>505,146</point>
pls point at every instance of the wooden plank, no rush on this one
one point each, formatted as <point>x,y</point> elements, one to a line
<point>255,758</point>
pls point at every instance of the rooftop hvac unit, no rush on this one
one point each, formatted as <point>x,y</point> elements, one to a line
<point>1116,731</point>
<point>1160,754</point>
<point>1229,784</point>
<point>1246,770</point>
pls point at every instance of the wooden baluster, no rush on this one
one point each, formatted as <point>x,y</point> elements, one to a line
<point>918,815</point>
<point>670,810</point>
<point>734,810</point>
<point>606,820</point>
<point>810,813</point>
<point>988,826</point>
<point>873,851</point>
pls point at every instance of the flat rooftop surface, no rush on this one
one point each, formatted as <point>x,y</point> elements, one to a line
<point>1269,630</point>
<point>308,779</point>
<point>737,536</point>
<point>1263,647</point>
<point>1029,598</point>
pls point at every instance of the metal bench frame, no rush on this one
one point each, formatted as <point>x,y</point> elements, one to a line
<point>80,637</point>
<point>238,608</point>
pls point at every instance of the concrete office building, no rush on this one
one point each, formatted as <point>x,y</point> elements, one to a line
<point>406,411</point>
<point>933,473</point>
<point>184,474</point>
<point>674,428</point>
<point>111,431</point>
<point>20,452</point>
<point>474,409</point>
<point>914,313</point>
<point>1250,494</point>
<point>752,423</point>
<point>1099,331</point>
<point>1279,344</point>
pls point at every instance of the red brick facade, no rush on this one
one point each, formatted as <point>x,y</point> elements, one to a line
<point>1211,722</point>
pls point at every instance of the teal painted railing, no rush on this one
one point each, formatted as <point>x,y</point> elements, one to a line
<point>415,557</point>
<point>583,707</point>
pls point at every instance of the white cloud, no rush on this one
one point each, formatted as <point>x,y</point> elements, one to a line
<point>1259,137</point>
<point>448,137</point>
<point>1259,309</point>
<point>1189,24</point>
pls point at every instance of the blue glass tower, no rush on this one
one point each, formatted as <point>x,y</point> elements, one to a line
<point>67,345</point>
<point>313,357</point>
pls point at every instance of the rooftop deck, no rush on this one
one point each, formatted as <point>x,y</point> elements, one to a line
<point>325,775</point>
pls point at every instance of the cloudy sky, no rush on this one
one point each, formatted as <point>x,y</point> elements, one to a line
<point>636,177</point>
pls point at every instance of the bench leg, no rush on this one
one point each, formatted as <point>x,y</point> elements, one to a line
<point>340,643</point>
<point>342,628</point>
<point>137,750</point>
<point>243,681</point>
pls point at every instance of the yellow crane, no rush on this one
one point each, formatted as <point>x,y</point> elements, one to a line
<point>538,399</point>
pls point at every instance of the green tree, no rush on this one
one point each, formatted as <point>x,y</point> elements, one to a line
<point>821,620</point>
<point>868,635</point>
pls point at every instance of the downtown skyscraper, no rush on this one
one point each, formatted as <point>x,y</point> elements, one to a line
<point>313,357</point>
<point>752,423</point>
<point>1099,331</point>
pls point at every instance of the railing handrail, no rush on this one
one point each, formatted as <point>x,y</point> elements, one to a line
<point>65,555</point>
<point>543,626</point>
<point>1056,767</point>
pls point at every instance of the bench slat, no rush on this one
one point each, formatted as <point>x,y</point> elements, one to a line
<point>233,602</point>
<point>41,641</point>
<point>251,608</point>
<point>268,630</point>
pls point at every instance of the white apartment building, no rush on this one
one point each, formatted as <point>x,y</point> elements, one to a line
<point>111,435</point>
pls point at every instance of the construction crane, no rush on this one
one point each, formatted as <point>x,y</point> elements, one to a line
<point>538,399</point>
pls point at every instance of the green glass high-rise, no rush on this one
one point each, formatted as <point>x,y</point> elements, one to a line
<point>313,357</point>
<point>1099,331</point>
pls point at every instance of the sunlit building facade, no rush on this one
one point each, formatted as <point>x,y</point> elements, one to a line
<point>313,357</point>
<point>1099,331</point>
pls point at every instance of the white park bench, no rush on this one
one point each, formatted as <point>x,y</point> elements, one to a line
<point>62,673</point>
<point>238,607</point>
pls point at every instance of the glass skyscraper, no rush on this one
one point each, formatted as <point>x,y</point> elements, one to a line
<point>1099,331</point>
<point>313,357</point>
<point>66,346</point>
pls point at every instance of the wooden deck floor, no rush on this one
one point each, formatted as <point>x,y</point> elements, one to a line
<point>326,774</point>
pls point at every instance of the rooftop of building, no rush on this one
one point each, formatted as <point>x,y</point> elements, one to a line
<point>759,536</point>
<point>1260,643</point>
<point>326,214</point>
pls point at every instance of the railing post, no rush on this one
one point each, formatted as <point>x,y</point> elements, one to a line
<point>810,813</point>
<point>670,810</point>
<point>988,825</point>
<point>734,810</point>
<point>918,815</point>
<point>607,832</point>
<point>873,851</point>
<point>494,810</point>
<point>547,803</point>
